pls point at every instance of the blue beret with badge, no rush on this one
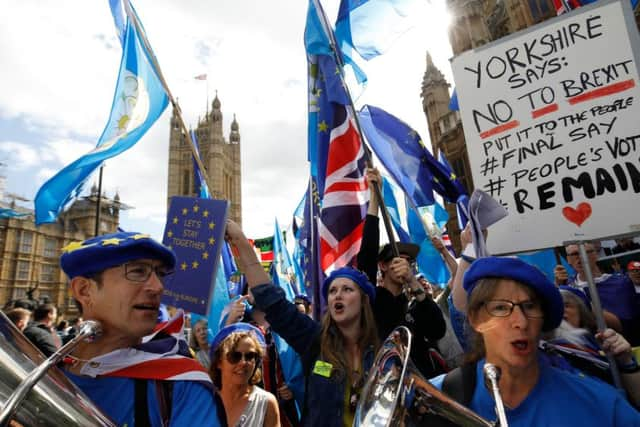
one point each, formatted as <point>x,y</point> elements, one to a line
<point>522,272</point>
<point>111,250</point>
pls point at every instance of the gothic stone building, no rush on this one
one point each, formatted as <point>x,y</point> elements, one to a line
<point>29,255</point>
<point>221,159</point>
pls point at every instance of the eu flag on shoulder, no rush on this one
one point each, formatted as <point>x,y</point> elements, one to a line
<point>138,101</point>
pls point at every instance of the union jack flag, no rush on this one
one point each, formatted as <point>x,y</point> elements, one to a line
<point>335,150</point>
<point>163,355</point>
<point>344,188</point>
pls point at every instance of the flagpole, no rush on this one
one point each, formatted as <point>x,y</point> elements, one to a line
<point>313,227</point>
<point>154,62</point>
<point>376,187</point>
<point>96,229</point>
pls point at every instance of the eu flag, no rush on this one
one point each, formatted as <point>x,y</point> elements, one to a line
<point>138,102</point>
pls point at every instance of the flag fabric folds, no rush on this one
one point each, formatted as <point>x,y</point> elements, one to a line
<point>10,213</point>
<point>402,152</point>
<point>409,222</point>
<point>138,102</point>
<point>335,151</point>
<point>370,26</point>
<point>199,182</point>
<point>563,6</point>
<point>282,265</point>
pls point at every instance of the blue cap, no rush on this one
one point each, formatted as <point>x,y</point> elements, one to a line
<point>357,276</point>
<point>528,275</point>
<point>111,250</point>
<point>236,327</point>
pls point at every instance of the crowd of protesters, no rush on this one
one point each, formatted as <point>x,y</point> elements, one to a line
<point>541,332</point>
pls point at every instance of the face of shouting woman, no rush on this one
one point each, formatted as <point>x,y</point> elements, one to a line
<point>344,300</point>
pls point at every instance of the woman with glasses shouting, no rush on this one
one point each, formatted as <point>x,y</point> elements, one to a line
<point>509,304</point>
<point>236,357</point>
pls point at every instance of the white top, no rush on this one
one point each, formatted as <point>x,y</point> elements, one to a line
<point>256,409</point>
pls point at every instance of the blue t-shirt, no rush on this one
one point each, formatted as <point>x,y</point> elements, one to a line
<point>193,403</point>
<point>560,398</point>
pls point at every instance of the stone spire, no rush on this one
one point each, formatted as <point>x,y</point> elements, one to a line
<point>234,136</point>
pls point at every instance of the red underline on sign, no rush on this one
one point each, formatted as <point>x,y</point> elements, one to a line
<point>544,110</point>
<point>500,129</point>
<point>603,91</point>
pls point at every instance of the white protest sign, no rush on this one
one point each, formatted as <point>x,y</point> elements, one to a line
<point>552,125</point>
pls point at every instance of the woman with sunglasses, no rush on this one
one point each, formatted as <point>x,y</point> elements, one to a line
<point>236,357</point>
<point>337,353</point>
<point>509,304</point>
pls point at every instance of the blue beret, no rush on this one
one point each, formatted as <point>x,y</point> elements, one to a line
<point>236,327</point>
<point>519,271</point>
<point>357,276</point>
<point>111,250</point>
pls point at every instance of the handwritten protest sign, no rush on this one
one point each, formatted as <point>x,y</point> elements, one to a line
<point>195,231</point>
<point>551,119</point>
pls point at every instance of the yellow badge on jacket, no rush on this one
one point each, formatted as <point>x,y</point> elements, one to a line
<point>322,368</point>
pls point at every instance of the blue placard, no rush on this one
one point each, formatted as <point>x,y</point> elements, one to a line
<point>195,231</point>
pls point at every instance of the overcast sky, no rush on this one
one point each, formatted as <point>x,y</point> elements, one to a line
<point>59,64</point>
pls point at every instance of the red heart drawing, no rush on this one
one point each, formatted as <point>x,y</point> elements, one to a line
<point>578,215</point>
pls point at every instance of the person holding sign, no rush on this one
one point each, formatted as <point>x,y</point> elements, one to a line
<point>117,279</point>
<point>510,303</point>
<point>336,354</point>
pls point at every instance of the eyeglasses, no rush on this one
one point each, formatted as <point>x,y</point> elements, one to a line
<point>141,271</point>
<point>234,357</point>
<point>504,308</point>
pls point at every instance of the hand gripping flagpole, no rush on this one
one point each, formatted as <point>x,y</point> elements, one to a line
<point>156,66</point>
<point>376,186</point>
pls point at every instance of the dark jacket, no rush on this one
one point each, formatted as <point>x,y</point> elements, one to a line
<point>41,336</point>
<point>324,397</point>
<point>424,319</point>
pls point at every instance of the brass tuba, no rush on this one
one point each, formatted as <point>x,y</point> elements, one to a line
<point>33,393</point>
<point>396,394</point>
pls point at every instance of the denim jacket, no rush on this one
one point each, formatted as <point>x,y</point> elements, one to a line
<point>324,397</point>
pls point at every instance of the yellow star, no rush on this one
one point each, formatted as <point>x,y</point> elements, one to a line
<point>205,255</point>
<point>111,242</point>
<point>323,126</point>
<point>452,176</point>
<point>212,240</point>
<point>140,236</point>
<point>195,264</point>
<point>211,225</point>
<point>73,246</point>
<point>169,233</point>
<point>175,219</point>
<point>184,211</point>
<point>170,247</point>
<point>205,213</point>
<point>183,266</point>
<point>196,208</point>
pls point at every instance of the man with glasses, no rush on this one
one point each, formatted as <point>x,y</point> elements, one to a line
<point>616,291</point>
<point>117,279</point>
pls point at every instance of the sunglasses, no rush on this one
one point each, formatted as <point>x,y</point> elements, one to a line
<point>234,357</point>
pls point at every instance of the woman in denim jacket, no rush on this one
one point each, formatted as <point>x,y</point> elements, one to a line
<point>336,353</point>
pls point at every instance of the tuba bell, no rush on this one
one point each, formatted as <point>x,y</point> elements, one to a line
<point>396,394</point>
<point>35,393</point>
